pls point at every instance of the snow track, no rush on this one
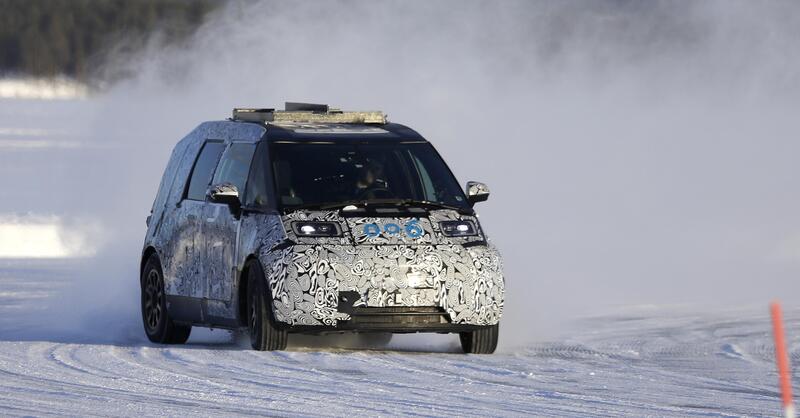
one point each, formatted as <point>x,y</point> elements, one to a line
<point>650,362</point>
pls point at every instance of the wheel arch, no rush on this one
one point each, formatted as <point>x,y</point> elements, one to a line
<point>146,254</point>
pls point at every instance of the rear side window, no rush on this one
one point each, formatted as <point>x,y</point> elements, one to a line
<point>235,165</point>
<point>203,169</point>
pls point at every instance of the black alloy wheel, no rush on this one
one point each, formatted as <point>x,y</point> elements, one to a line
<point>158,326</point>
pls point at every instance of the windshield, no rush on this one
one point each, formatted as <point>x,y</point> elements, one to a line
<point>311,175</point>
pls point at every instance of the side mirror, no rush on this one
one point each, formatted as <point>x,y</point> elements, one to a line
<point>226,193</point>
<point>476,192</point>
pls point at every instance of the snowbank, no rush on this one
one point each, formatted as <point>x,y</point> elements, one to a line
<point>59,88</point>
<point>36,236</point>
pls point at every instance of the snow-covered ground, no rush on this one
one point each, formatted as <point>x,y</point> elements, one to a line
<point>71,342</point>
<point>637,362</point>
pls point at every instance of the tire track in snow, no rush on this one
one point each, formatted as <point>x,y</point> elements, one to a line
<point>661,363</point>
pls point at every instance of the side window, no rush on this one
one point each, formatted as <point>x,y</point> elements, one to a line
<point>235,165</point>
<point>256,195</point>
<point>203,169</point>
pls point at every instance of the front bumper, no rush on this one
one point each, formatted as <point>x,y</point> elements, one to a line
<point>392,319</point>
<point>345,287</point>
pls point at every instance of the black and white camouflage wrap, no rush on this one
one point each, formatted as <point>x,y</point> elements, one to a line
<point>204,249</point>
<point>305,279</point>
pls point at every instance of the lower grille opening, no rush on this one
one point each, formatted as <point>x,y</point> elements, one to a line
<point>399,315</point>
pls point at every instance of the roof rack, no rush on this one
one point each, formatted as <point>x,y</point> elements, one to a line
<point>308,113</point>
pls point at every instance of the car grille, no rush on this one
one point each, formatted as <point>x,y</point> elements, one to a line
<point>399,315</point>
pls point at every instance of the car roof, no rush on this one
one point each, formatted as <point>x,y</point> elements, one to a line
<point>340,132</point>
<point>316,132</point>
<point>309,122</point>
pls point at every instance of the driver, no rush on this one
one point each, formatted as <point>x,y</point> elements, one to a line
<point>368,185</point>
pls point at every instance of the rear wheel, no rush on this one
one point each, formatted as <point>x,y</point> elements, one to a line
<point>265,335</point>
<point>480,341</point>
<point>157,324</point>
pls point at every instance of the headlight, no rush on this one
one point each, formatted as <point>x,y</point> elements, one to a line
<point>316,229</point>
<point>458,228</point>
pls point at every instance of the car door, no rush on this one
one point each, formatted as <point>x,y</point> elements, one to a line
<point>190,267</point>
<point>221,223</point>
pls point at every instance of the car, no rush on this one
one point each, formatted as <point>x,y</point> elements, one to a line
<point>316,220</point>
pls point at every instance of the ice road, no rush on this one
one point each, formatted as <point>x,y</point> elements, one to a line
<point>638,362</point>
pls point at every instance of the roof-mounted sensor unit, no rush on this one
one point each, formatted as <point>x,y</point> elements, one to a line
<point>308,113</point>
<point>305,107</point>
<point>252,115</point>
<point>336,116</point>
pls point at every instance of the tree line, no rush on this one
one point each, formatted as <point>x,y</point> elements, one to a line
<point>46,38</point>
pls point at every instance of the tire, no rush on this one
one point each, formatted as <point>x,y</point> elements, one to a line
<point>157,324</point>
<point>265,335</point>
<point>480,341</point>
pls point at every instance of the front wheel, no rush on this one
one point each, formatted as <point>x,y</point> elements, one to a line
<point>265,335</point>
<point>480,341</point>
<point>157,324</point>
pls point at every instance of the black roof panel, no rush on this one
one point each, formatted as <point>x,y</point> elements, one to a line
<point>330,132</point>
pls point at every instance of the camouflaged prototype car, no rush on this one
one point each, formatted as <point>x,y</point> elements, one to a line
<point>316,220</point>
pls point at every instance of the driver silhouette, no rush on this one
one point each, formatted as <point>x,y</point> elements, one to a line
<point>368,184</point>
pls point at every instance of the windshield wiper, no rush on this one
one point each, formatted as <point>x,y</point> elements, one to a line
<point>391,202</point>
<point>333,205</point>
<point>358,203</point>
<point>428,204</point>
<point>363,203</point>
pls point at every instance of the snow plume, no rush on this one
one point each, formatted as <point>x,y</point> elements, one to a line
<point>35,236</point>
<point>60,88</point>
<point>637,153</point>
